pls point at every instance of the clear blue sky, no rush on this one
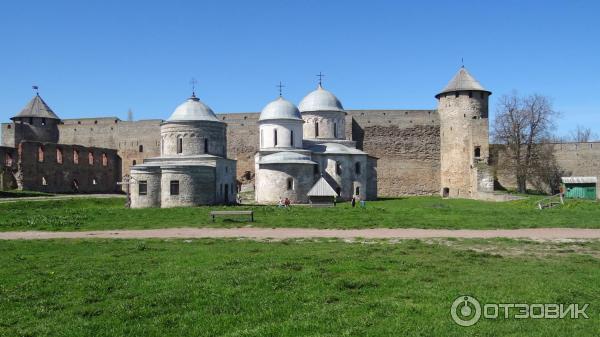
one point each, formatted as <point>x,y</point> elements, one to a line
<point>99,58</point>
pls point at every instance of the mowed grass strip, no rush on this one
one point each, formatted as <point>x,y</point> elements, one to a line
<point>412,212</point>
<point>246,288</point>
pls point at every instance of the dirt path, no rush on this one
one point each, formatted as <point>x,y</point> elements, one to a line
<point>295,233</point>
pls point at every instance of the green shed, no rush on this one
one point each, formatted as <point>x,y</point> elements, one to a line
<point>580,187</point>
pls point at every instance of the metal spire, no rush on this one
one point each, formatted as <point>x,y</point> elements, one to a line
<point>280,86</point>
<point>320,76</point>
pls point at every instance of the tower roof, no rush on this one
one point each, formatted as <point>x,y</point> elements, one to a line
<point>462,81</point>
<point>320,100</point>
<point>37,108</point>
<point>280,109</point>
<point>193,110</point>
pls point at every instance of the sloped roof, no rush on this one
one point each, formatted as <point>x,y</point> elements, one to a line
<point>463,81</point>
<point>322,189</point>
<point>286,157</point>
<point>334,148</point>
<point>579,180</point>
<point>37,108</point>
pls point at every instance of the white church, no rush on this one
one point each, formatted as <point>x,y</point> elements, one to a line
<point>305,157</point>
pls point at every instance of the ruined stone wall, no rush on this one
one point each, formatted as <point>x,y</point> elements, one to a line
<point>8,156</point>
<point>67,175</point>
<point>407,143</point>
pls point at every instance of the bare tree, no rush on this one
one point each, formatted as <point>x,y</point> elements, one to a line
<point>523,124</point>
<point>582,134</point>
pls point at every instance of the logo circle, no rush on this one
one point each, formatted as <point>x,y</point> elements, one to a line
<point>469,312</point>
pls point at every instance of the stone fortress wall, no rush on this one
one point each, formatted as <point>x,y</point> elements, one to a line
<point>407,143</point>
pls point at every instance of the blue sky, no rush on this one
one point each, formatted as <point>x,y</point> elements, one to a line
<point>99,58</point>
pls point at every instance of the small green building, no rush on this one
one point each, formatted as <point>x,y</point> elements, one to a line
<point>580,187</point>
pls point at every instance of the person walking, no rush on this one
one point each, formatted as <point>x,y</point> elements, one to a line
<point>353,202</point>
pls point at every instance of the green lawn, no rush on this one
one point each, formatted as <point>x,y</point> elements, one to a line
<point>417,212</point>
<point>290,288</point>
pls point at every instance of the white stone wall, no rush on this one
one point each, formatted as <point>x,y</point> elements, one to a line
<point>331,124</point>
<point>196,186</point>
<point>272,182</point>
<point>226,183</point>
<point>284,128</point>
<point>193,135</point>
<point>348,179</point>
<point>153,193</point>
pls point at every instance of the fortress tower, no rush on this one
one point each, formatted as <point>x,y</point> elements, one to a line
<point>36,122</point>
<point>464,132</point>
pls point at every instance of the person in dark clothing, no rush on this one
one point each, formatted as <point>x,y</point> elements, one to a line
<point>353,202</point>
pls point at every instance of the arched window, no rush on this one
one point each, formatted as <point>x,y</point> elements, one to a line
<point>262,142</point>
<point>75,156</point>
<point>357,190</point>
<point>316,129</point>
<point>357,168</point>
<point>477,152</point>
<point>290,183</point>
<point>134,162</point>
<point>141,148</point>
<point>205,145</point>
<point>104,159</point>
<point>275,137</point>
<point>44,181</point>
<point>292,138</point>
<point>59,155</point>
<point>91,158</point>
<point>41,154</point>
<point>334,130</point>
<point>179,145</point>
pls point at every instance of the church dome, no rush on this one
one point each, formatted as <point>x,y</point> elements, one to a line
<point>320,100</point>
<point>280,109</point>
<point>193,110</point>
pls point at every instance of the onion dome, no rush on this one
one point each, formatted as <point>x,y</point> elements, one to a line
<point>193,110</point>
<point>463,81</point>
<point>320,100</point>
<point>36,108</point>
<point>280,109</point>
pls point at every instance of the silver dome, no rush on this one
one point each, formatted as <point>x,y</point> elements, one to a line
<point>280,109</point>
<point>320,100</point>
<point>193,110</point>
<point>286,158</point>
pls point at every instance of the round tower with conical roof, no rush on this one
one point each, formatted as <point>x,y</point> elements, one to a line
<point>464,132</point>
<point>36,122</point>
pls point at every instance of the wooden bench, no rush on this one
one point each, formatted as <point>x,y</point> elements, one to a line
<point>215,214</point>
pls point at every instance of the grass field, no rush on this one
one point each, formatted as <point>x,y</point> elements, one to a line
<point>246,288</point>
<point>415,212</point>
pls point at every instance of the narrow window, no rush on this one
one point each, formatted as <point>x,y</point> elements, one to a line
<point>477,152</point>
<point>357,190</point>
<point>357,168</point>
<point>334,130</point>
<point>205,145</point>
<point>94,181</point>
<point>316,129</point>
<point>104,159</point>
<point>143,187</point>
<point>292,138</point>
<point>75,156</point>
<point>275,135</point>
<point>31,120</point>
<point>470,94</point>
<point>456,94</point>
<point>290,183</point>
<point>8,161</point>
<point>44,182</point>
<point>179,145</point>
<point>134,162</point>
<point>59,155</point>
<point>338,168</point>
<point>174,187</point>
<point>41,154</point>
<point>43,121</point>
<point>316,169</point>
<point>91,158</point>
<point>141,148</point>
<point>262,143</point>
